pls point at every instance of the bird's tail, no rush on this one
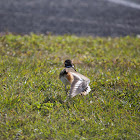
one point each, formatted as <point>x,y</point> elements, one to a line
<point>86,91</point>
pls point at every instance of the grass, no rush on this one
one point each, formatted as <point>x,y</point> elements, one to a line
<point>31,101</point>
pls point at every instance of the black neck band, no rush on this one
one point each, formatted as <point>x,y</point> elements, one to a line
<point>68,66</point>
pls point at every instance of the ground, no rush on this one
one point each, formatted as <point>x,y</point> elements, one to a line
<point>32,97</point>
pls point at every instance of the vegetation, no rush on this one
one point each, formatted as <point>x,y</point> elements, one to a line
<point>32,96</point>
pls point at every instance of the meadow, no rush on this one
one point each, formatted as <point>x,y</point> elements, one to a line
<point>32,96</point>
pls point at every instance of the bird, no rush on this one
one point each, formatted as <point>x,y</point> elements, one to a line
<point>78,82</point>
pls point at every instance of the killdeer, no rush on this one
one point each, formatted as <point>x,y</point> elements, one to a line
<point>79,83</point>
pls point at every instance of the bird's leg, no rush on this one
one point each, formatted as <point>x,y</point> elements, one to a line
<point>66,89</point>
<point>83,96</point>
<point>68,98</point>
<point>66,93</point>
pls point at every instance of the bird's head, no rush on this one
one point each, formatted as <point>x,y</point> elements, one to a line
<point>68,63</point>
